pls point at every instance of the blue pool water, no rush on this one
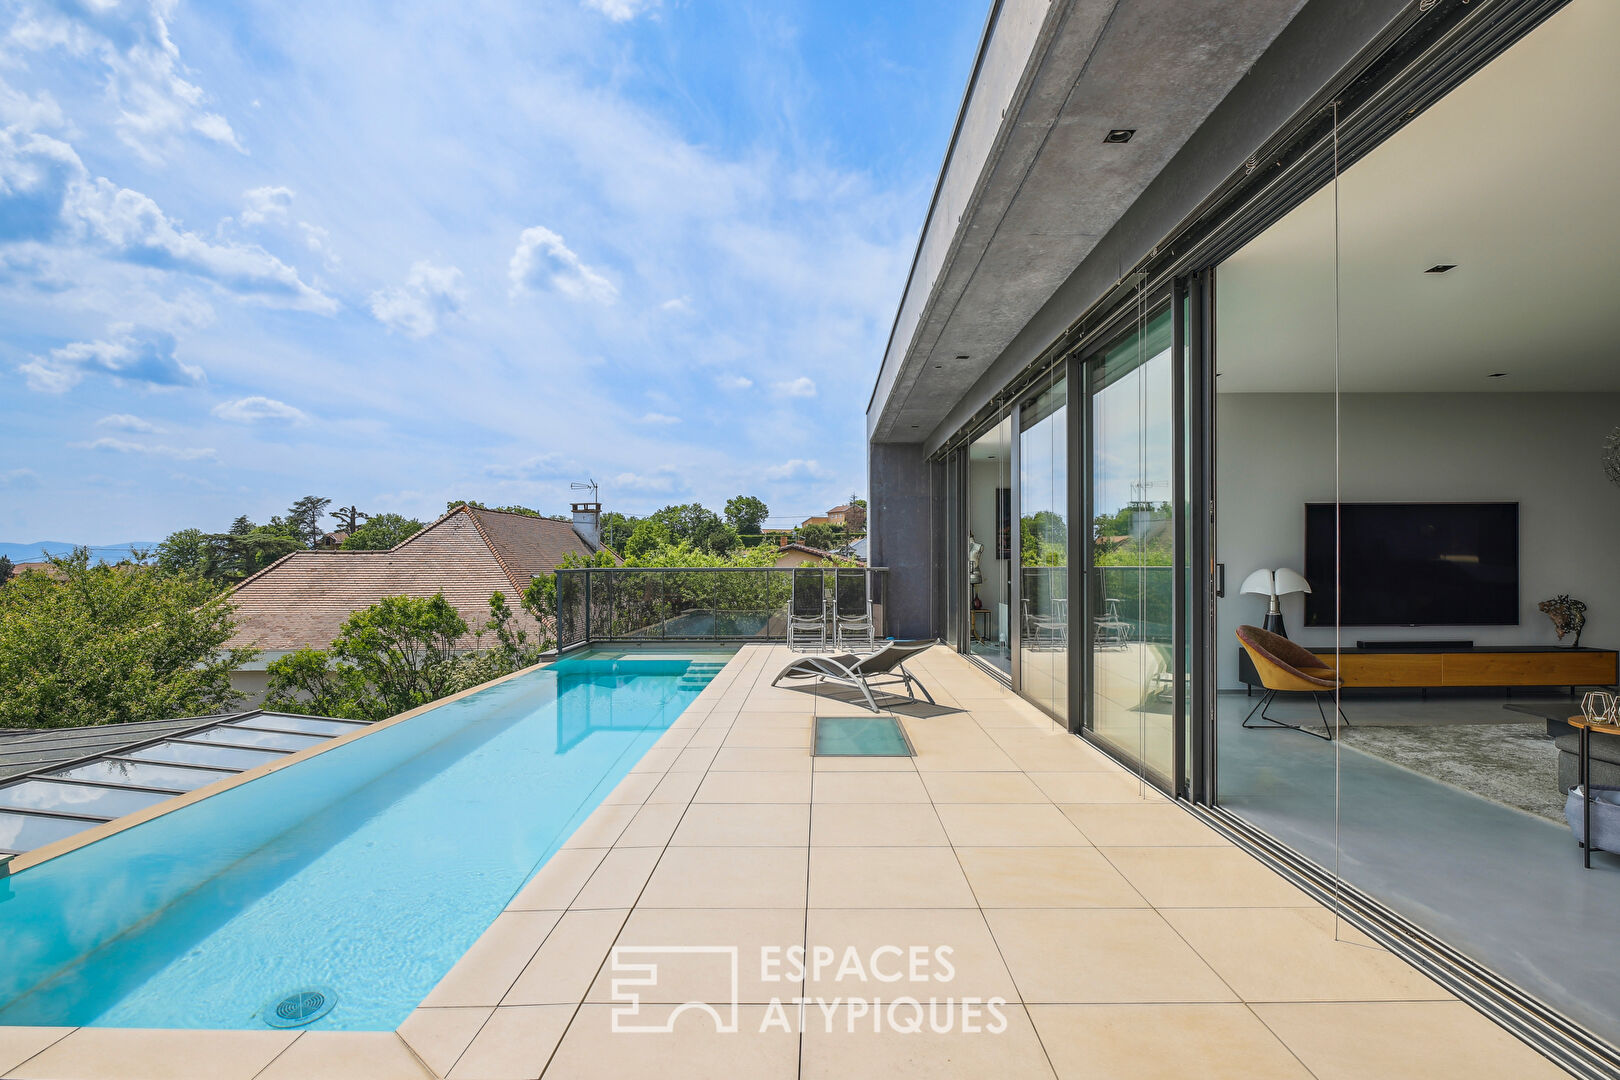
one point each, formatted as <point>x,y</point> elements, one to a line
<point>367,870</point>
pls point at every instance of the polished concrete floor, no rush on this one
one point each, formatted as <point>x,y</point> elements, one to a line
<point>1502,885</point>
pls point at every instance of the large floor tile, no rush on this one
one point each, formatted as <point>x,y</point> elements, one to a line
<point>1156,824</point>
<point>1204,877</point>
<point>894,877</point>
<point>1442,1040</point>
<point>1009,825</point>
<point>352,1055</point>
<point>692,1050</point>
<point>487,971</point>
<point>881,825</point>
<point>991,787</point>
<point>1095,787</point>
<point>152,1054</point>
<point>18,1044</point>
<point>605,824</point>
<point>1292,954</point>
<point>848,1043</point>
<point>555,884</point>
<point>619,880</point>
<point>652,826</point>
<point>728,877</point>
<point>864,787</point>
<point>737,825</point>
<point>905,952</point>
<point>700,974</point>
<point>440,1036</point>
<point>741,787</point>
<point>566,965</point>
<point>1101,955</point>
<point>761,759</point>
<point>676,787</point>
<point>514,1044</point>
<point>1162,1042</point>
<point>1049,877</point>
<point>773,737</point>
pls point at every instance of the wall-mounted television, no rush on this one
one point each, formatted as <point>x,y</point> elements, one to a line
<point>1413,564</point>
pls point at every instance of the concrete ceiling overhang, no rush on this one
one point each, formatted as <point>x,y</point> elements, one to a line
<point>1046,186</point>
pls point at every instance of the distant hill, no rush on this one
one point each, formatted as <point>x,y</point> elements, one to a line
<point>104,553</point>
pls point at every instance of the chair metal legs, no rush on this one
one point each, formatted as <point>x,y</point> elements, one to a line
<point>1273,723</point>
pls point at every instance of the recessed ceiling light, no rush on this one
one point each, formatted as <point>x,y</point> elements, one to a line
<point>962,356</point>
<point>1440,268</point>
<point>1119,135</point>
<point>1497,375</point>
<point>990,457</point>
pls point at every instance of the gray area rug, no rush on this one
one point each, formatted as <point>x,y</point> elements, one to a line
<point>1513,764</point>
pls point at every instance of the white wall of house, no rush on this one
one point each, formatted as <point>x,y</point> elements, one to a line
<point>1274,453</point>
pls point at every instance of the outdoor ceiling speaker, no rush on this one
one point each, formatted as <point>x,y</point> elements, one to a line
<point>1119,135</point>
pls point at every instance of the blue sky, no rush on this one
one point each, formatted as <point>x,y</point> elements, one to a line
<point>398,253</point>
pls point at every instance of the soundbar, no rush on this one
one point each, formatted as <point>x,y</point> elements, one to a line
<point>1396,646</point>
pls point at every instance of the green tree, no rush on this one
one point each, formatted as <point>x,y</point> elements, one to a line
<point>103,645</point>
<point>649,536</point>
<point>818,536</point>
<point>616,528</point>
<point>233,556</point>
<point>184,552</point>
<point>398,653</point>
<point>304,517</point>
<point>241,526</point>
<point>524,510</point>
<point>699,526</point>
<point>5,569</point>
<point>746,514</point>
<point>382,532</point>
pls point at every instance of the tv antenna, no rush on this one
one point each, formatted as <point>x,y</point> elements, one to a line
<point>589,485</point>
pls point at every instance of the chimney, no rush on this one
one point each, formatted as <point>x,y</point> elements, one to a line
<point>588,524</point>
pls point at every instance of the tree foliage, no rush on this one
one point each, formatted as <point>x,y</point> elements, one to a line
<point>304,519</point>
<point>397,654</point>
<point>382,532</point>
<point>6,568</point>
<point>746,514</point>
<point>113,644</point>
<point>524,510</point>
<point>184,552</point>
<point>818,536</point>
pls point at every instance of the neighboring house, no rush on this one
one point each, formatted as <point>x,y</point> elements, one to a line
<point>821,519</point>
<point>48,569</point>
<point>855,550</point>
<point>332,540</point>
<point>838,515</point>
<point>796,554</point>
<point>468,554</point>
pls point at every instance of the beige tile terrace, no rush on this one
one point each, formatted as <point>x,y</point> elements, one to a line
<point>1008,860</point>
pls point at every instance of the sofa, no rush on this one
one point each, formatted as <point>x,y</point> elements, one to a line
<point>1605,758</point>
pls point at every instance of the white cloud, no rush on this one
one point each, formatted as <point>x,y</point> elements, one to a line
<point>126,422</point>
<point>19,478</point>
<point>46,193</point>
<point>430,293</point>
<point>263,204</point>
<point>660,481</point>
<point>135,355</point>
<point>680,305</point>
<point>621,10</point>
<point>803,386</point>
<point>140,65</point>
<point>659,418</point>
<point>798,469</point>
<point>539,467</point>
<point>122,446</point>
<point>256,410</point>
<point>735,382</point>
<point>542,258</point>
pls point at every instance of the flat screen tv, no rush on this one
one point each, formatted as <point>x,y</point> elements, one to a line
<point>1414,564</point>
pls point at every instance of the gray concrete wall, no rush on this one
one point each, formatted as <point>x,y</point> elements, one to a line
<point>901,520</point>
<point>1274,453</point>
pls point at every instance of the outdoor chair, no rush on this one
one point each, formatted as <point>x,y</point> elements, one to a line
<point>807,617</point>
<point>1289,668</point>
<point>854,633</point>
<point>886,667</point>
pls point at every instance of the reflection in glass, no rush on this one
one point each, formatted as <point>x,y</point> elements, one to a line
<point>1131,588</point>
<point>85,799</point>
<point>989,553</point>
<point>1044,546</point>
<point>228,757</point>
<point>140,774</point>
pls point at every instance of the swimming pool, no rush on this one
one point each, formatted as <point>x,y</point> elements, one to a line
<point>364,872</point>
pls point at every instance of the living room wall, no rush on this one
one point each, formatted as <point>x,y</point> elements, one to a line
<point>1274,453</point>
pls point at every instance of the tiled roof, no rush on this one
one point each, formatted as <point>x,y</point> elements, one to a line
<point>304,598</point>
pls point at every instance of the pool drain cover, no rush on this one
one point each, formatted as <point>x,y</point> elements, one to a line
<point>300,1007</point>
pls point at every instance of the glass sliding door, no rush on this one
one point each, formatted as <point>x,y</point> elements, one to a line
<point>990,546</point>
<point>1131,586</point>
<point>1044,545</point>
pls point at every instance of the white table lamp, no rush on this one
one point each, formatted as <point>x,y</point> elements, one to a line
<point>1275,583</point>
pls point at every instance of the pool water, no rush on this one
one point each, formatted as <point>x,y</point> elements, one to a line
<point>366,871</point>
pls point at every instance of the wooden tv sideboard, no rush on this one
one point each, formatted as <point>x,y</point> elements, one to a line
<point>1484,666</point>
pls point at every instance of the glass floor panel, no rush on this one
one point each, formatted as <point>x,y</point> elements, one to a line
<point>23,832</point>
<point>139,774</point>
<point>308,724</point>
<point>270,740</point>
<point>861,736</point>
<point>228,757</point>
<point>77,798</point>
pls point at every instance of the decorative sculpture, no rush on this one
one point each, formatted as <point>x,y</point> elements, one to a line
<point>1611,455</point>
<point>1568,616</point>
<point>975,549</point>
